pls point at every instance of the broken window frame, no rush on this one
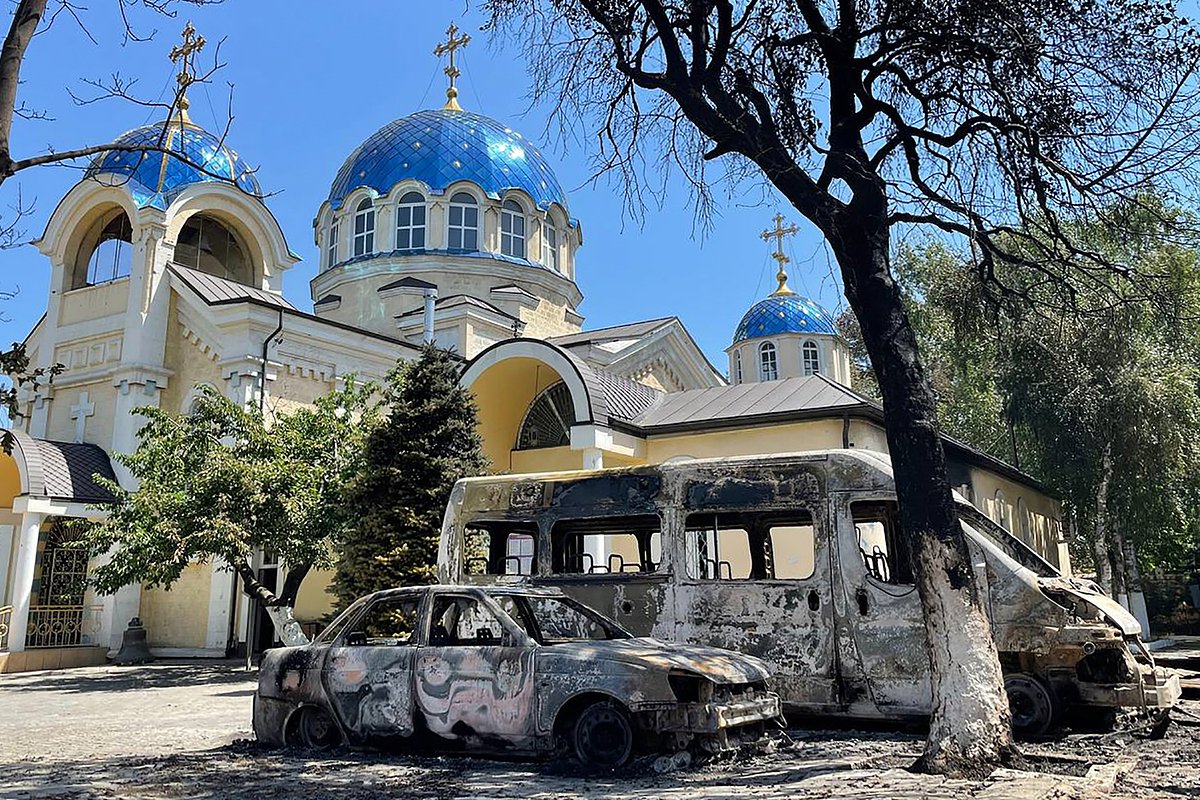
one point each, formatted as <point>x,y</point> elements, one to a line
<point>758,526</point>
<point>885,511</point>
<point>347,634</point>
<point>498,560</point>
<point>642,527</point>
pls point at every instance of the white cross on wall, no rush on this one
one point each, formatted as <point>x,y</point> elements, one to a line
<point>80,412</point>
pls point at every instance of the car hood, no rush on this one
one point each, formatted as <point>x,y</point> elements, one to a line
<point>719,666</point>
<point>1113,611</point>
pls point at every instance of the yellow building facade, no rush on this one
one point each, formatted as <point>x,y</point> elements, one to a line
<point>167,274</point>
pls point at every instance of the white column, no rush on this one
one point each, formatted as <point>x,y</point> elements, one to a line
<point>7,533</point>
<point>22,589</point>
<point>593,458</point>
<point>219,596</point>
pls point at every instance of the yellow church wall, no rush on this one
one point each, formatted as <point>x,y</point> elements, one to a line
<point>547,459</point>
<point>178,617</point>
<point>94,302</point>
<point>786,438</point>
<point>190,363</point>
<point>98,429</point>
<point>291,390</point>
<point>504,393</point>
<point>314,602</point>
<point>1032,516</point>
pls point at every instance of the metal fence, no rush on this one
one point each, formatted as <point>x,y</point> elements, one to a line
<point>63,626</point>
<point>5,621</point>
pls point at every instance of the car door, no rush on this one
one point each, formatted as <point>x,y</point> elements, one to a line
<point>474,678</point>
<point>879,610</point>
<point>368,670</point>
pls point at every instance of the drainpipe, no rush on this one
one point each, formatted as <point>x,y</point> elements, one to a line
<point>845,431</point>
<point>262,380</point>
<point>430,294</point>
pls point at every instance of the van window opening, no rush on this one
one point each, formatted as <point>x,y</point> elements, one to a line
<point>750,546</point>
<point>499,548</point>
<point>885,551</point>
<point>606,546</point>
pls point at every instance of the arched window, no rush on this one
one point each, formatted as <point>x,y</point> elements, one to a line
<point>410,222</point>
<point>737,367</point>
<point>1024,521</point>
<point>108,252</point>
<point>331,247</point>
<point>1003,518</point>
<point>550,245</point>
<point>205,244</point>
<point>548,421</point>
<point>768,366</point>
<point>810,358</point>
<point>463,230</point>
<point>512,229</point>
<point>364,228</point>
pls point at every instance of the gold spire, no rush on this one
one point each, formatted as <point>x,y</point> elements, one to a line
<point>777,234</point>
<point>452,72</point>
<point>185,53</point>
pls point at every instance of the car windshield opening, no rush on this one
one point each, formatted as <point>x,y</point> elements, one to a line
<point>558,620</point>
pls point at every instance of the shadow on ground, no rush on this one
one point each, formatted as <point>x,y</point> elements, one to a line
<point>159,675</point>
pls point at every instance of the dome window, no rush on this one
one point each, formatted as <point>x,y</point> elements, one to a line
<point>810,358</point>
<point>512,229</point>
<point>206,245</point>
<point>550,245</point>
<point>463,230</point>
<point>410,222</point>
<point>331,246</point>
<point>768,365</point>
<point>737,367</point>
<point>110,255</point>
<point>364,228</point>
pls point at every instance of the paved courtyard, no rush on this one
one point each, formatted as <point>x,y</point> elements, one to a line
<point>182,730</point>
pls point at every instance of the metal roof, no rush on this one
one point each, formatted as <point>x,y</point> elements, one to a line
<point>742,402</point>
<point>216,291</point>
<point>155,178</point>
<point>632,330</point>
<point>440,147</point>
<point>784,313</point>
<point>64,470</point>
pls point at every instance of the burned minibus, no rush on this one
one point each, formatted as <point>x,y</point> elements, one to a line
<point>799,560</point>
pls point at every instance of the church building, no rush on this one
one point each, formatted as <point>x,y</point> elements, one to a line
<point>167,274</point>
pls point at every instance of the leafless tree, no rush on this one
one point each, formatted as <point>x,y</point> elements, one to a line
<point>995,120</point>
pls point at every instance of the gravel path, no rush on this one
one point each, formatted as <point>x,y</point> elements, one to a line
<point>182,730</point>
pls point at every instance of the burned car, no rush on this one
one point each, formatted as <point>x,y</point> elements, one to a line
<point>800,560</point>
<point>505,670</point>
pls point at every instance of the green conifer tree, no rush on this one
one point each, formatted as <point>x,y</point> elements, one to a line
<point>428,440</point>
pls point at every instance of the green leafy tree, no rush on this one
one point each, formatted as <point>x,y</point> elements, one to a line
<point>428,440</point>
<point>218,483</point>
<point>14,363</point>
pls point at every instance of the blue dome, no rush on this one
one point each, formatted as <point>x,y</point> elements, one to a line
<point>155,178</point>
<point>441,147</point>
<point>783,313</point>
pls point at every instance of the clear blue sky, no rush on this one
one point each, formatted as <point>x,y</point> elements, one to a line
<point>312,80</point>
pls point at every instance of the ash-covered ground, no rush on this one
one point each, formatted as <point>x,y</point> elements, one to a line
<point>183,730</point>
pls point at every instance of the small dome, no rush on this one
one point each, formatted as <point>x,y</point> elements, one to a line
<point>155,178</point>
<point>443,146</point>
<point>784,313</point>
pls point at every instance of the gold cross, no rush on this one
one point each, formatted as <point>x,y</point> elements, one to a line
<point>186,52</point>
<point>452,72</point>
<point>778,234</point>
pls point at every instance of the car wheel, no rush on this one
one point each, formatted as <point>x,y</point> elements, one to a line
<point>602,735</point>
<point>1031,704</point>
<point>317,729</point>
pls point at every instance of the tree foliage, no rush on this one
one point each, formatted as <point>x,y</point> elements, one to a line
<point>427,441</point>
<point>217,483</point>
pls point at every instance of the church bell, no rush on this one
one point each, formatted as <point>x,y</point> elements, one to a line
<point>134,649</point>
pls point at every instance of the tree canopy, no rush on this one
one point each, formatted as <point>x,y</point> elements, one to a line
<point>216,483</point>
<point>427,439</point>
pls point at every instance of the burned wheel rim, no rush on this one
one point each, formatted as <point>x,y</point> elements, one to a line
<point>1031,704</point>
<point>318,730</point>
<point>603,736</point>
